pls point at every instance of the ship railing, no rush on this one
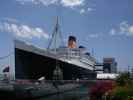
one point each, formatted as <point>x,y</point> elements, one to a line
<point>86,57</point>
<point>73,53</point>
<point>68,53</point>
<point>76,53</point>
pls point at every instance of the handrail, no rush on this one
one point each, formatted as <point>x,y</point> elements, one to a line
<point>76,53</point>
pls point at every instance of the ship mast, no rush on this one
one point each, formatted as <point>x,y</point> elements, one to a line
<point>56,39</point>
<point>55,43</point>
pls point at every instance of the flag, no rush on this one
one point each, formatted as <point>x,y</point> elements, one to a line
<point>6,69</point>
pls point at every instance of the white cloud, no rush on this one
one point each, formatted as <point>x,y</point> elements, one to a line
<point>23,31</point>
<point>64,3</point>
<point>38,2</point>
<point>90,9</point>
<point>72,3</point>
<point>82,11</point>
<point>123,29</point>
<point>130,29</point>
<point>46,2</point>
<point>126,29</point>
<point>93,35</point>
<point>76,5</point>
<point>112,32</point>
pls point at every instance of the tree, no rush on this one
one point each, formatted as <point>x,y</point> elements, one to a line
<point>123,79</point>
<point>124,88</point>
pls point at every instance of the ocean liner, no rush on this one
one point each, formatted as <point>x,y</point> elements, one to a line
<point>46,72</point>
<point>57,63</point>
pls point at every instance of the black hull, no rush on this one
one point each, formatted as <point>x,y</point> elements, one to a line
<point>29,65</point>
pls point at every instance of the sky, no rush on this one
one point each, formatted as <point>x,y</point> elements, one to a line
<point>104,27</point>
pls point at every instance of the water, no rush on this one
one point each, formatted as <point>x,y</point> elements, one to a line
<point>77,94</point>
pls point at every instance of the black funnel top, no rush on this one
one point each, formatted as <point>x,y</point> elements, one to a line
<point>72,38</point>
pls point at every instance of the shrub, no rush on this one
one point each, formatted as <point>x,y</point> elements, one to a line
<point>123,79</point>
<point>123,93</point>
<point>123,89</point>
<point>100,88</point>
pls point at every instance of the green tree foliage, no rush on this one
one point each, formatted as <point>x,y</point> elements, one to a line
<point>124,88</point>
<point>123,79</point>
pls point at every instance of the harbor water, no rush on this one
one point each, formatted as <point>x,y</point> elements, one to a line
<point>76,94</point>
<point>68,92</point>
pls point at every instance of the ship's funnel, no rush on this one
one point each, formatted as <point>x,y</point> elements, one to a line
<point>72,42</point>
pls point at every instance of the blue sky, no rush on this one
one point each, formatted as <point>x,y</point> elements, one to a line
<point>104,26</point>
